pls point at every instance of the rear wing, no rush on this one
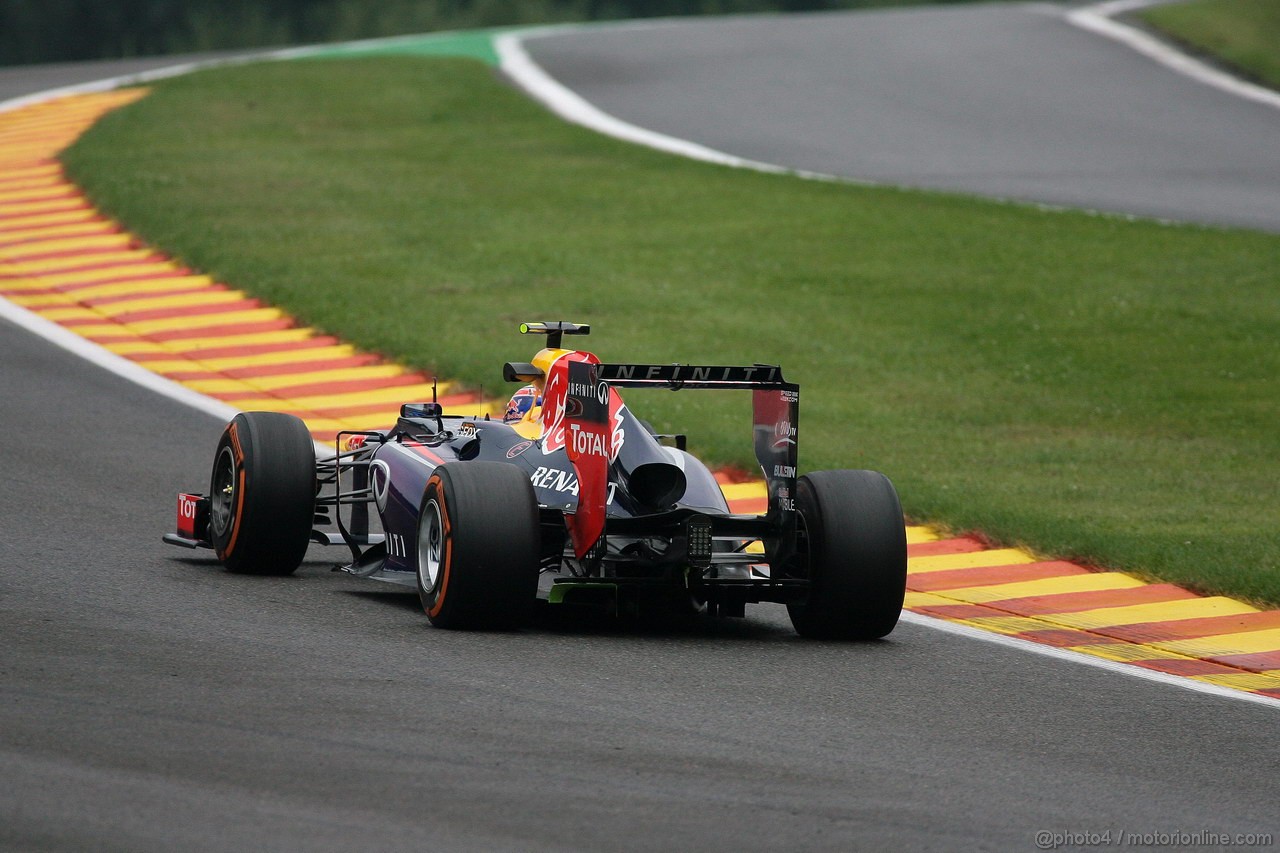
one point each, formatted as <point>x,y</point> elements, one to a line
<point>775,423</point>
<point>775,407</point>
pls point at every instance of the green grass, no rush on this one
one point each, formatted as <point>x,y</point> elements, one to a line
<point>1244,34</point>
<point>1096,388</point>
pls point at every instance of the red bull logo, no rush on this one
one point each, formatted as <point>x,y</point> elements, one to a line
<point>521,403</point>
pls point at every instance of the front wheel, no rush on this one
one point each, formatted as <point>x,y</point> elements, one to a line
<point>262,493</point>
<point>478,546</point>
<point>852,546</point>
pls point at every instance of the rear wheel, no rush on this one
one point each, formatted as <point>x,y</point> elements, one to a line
<point>262,493</point>
<point>478,546</point>
<point>853,548</point>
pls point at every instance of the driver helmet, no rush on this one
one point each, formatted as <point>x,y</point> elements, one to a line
<point>521,403</point>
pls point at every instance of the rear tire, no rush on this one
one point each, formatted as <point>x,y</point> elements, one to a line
<point>478,546</point>
<point>853,548</point>
<point>262,494</point>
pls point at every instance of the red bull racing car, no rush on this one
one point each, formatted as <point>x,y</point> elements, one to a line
<point>568,499</point>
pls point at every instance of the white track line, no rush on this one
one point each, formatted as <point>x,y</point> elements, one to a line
<point>106,84</point>
<point>1099,19</point>
<point>108,360</point>
<point>1056,653</point>
<point>84,348</point>
<point>572,107</point>
<point>569,105</point>
<point>73,343</point>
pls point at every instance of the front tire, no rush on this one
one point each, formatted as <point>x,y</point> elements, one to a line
<point>478,546</point>
<point>262,494</point>
<point>853,548</point>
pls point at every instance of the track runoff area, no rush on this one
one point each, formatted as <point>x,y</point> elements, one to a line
<point>82,281</point>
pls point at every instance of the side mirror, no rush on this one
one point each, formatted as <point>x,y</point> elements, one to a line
<point>421,410</point>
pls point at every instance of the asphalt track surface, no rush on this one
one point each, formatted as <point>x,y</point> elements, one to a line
<point>151,701</point>
<point>19,80</point>
<point>999,100</point>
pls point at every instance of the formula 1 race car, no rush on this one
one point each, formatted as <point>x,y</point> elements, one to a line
<point>569,499</point>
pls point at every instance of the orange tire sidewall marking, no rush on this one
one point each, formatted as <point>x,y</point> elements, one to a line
<point>236,450</point>
<point>446,545</point>
<point>235,528</point>
<point>237,453</point>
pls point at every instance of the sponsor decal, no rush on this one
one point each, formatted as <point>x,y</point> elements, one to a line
<point>587,443</point>
<point>467,428</point>
<point>783,434</point>
<point>380,482</point>
<point>517,449</point>
<point>677,373</point>
<point>553,409</point>
<point>520,404</point>
<point>616,408</point>
<point>187,515</point>
<point>784,470</point>
<point>555,479</point>
<point>355,442</point>
<point>583,389</point>
<point>564,482</point>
